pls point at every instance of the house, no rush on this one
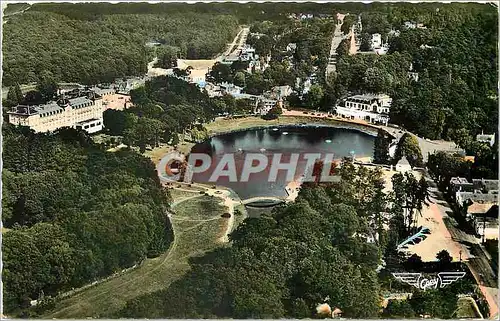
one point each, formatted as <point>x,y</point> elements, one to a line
<point>484,219</point>
<point>103,92</point>
<point>280,92</point>
<point>460,184</point>
<point>369,107</point>
<point>489,186</point>
<point>376,40</point>
<point>337,313</point>
<point>248,53</point>
<point>403,165</point>
<point>462,198</point>
<point>125,86</point>
<point>306,16</point>
<point>85,111</point>
<point>291,47</point>
<point>197,76</point>
<point>264,105</point>
<point>413,75</point>
<point>230,89</point>
<point>477,191</point>
<point>485,138</point>
<point>213,90</point>
<point>410,25</point>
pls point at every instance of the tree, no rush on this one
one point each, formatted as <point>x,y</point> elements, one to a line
<point>444,259</point>
<point>15,96</point>
<point>220,73</point>
<point>71,235</point>
<point>274,112</point>
<point>414,263</point>
<point>443,166</point>
<point>47,85</point>
<point>408,146</point>
<point>399,309</point>
<point>239,79</point>
<point>314,96</point>
<point>381,148</point>
<point>365,42</point>
<point>33,97</point>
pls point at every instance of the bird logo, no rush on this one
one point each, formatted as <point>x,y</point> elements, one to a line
<point>423,283</point>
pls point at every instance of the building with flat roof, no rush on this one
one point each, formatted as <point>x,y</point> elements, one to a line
<point>66,112</point>
<point>369,107</point>
<point>461,184</point>
<point>376,40</point>
<point>484,138</point>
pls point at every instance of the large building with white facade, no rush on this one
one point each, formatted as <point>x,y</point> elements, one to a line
<point>84,112</point>
<point>369,107</point>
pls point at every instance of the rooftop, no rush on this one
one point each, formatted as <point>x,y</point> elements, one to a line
<point>459,180</point>
<point>79,101</point>
<point>368,97</point>
<point>87,121</point>
<point>41,110</point>
<point>479,207</point>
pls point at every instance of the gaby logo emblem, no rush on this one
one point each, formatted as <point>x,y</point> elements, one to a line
<point>420,282</point>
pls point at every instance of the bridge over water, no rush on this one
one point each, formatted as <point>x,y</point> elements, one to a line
<point>270,199</point>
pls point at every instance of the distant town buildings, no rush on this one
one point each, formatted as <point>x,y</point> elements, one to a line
<point>478,200</point>
<point>479,190</point>
<point>368,107</point>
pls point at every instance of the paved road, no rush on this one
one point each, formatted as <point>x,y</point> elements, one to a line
<point>426,146</point>
<point>237,43</point>
<point>473,253</point>
<point>336,39</point>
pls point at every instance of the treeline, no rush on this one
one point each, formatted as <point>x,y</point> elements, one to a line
<point>73,213</point>
<point>456,61</point>
<point>104,47</point>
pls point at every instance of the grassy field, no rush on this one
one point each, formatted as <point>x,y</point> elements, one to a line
<point>197,225</point>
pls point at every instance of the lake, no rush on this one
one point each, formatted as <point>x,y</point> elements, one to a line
<point>285,140</point>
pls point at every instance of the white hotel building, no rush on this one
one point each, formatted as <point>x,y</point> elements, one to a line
<point>369,107</point>
<point>85,112</point>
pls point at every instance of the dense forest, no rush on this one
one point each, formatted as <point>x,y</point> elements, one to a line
<point>285,264</point>
<point>100,48</point>
<point>73,213</point>
<point>315,250</point>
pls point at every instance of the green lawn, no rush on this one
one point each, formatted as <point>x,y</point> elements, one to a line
<point>197,225</point>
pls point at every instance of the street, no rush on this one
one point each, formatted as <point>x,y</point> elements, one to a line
<point>471,251</point>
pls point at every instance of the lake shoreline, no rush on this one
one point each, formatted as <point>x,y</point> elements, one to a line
<point>254,123</point>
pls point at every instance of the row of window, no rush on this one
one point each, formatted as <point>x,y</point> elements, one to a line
<point>92,125</point>
<point>50,113</point>
<point>87,104</point>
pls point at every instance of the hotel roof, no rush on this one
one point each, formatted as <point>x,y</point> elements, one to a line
<point>368,97</point>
